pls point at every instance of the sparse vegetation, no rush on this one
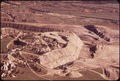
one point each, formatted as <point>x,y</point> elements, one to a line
<point>95,22</point>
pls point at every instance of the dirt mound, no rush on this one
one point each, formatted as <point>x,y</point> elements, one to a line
<point>55,49</point>
<point>62,40</point>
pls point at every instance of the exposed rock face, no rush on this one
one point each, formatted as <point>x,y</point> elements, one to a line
<point>98,32</point>
<point>62,56</point>
<point>28,27</point>
<point>65,47</point>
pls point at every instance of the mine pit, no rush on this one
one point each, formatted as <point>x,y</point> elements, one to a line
<point>52,50</point>
<point>59,40</point>
<point>100,33</point>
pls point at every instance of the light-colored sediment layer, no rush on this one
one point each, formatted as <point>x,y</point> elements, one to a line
<point>62,56</point>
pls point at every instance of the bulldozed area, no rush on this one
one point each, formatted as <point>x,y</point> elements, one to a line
<point>73,40</point>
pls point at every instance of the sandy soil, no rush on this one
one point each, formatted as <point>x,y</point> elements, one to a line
<point>98,60</point>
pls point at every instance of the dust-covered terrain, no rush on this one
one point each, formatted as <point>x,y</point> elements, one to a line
<point>59,40</point>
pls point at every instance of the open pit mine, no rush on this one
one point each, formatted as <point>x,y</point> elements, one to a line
<point>52,49</point>
<point>59,40</point>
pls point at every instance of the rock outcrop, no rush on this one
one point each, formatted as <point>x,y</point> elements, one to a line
<point>66,46</point>
<point>65,55</point>
<point>28,27</point>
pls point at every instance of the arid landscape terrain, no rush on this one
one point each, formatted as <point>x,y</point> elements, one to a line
<point>60,40</point>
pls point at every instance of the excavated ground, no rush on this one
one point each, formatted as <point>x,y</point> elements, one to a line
<point>97,25</point>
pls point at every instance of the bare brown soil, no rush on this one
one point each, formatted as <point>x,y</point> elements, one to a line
<point>96,23</point>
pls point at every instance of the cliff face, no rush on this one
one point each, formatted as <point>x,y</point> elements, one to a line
<point>28,27</point>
